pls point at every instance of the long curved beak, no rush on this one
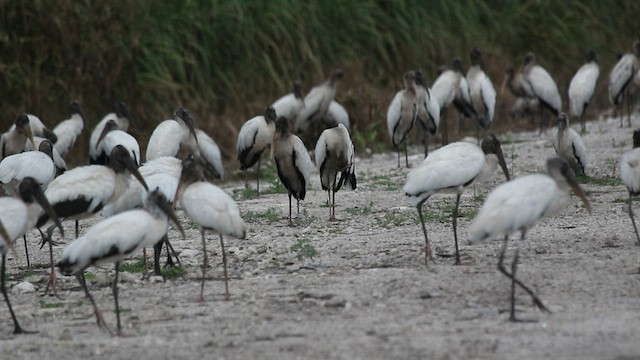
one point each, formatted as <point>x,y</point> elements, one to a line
<point>505,79</point>
<point>46,206</point>
<point>503,164</point>
<point>578,191</point>
<point>104,133</point>
<point>29,133</point>
<point>179,190</point>
<point>7,239</point>
<point>133,168</point>
<point>168,209</point>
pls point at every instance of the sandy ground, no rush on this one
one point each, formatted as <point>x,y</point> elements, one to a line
<point>367,293</point>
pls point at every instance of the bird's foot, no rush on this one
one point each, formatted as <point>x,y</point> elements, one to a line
<point>102,325</point>
<point>538,303</point>
<point>51,285</point>
<point>18,330</point>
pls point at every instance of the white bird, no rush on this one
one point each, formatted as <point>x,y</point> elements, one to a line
<point>451,87</point>
<point>111,137</point>
<point>58,161</point>
<point>292,162</point>
<point>113,240</point>
<point>14,141</point>
<point>291,104</point>
<point>170,135</point>
<point>517,205</point>
<point>22,212</point>
<point>122,118</point>
<point>83,191</point>
<point>481,92</point>
<point>582,86</point>
<point>16,218</point>
<point>621,78</point>
<point>38,128</point>
<point>402,114</point>
<point>335,154</point>
<point>539,84</point>
<point>69,130</point>
<point>35,164</point>
<point>253,139</point>
<point>428,115</point>
<point>337,114</point>
<point>317,101</point>
<point>568,145</point>
<point>630,175</point>
<point>6,244</point>
<point>212,209</point>
<point>451,169</point>
<point>211,155</point>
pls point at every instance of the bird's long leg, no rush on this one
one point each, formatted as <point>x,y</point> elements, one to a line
<point>290,221</point>
<point>425,141</point>
<point>51,284</point>
<point>224,262</point>
<point>3,274</point>
<point>620,109</point>
<point>628,108</point>
<point>541,120</point>
<point>298,207</point>
<point>77,229</point>
<point>455,228</point>
<point>406,157</point>
<point>427,245</point>
<point>633,221</point>
<point>329,203</point>
<point>443,120</point>
<point>157,249</point>
<point>583,121</point>
<point>536,301</point>
<point>170,251</point>
<point>205,263</point>
<point>115,298</point>
<point>333,204</point>
<point>258,181</point>
<point>398,157</point>
<point>145,259</point>
<point>99,319</point>
<point>26,251</point>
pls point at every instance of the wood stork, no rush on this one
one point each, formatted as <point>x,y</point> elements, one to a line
<point>453,168</point>
<point>68,130</point>
<point>402,114</point>
<point>582,87</point>
<point>292,162</point>
<point>317,101</point>
<point>517,205</point>
<point>428,115</point>
<point>170,135</point>
<point>451,87</point>
<point>36,164</point>
<point>291,104</point>
<point>22,213</point>
<point>621,78</point>
<point>58,161</point>
<point>337,114</point>
<point>113,240</point>
<point>630,175</point>
<point>211,155</point>
<point>335,154</point>
<point>14,141</point>
<point>568,145</point>
<point>253,139</point>
<point>122,118</point>
<point>524,105</point>
<point>6,244</point>
<point>212,209</point>
<point>38,128</point>
<point>111,137</point>
<point>539,84</point>
<point>83,191</point>
<point>162,173</point>
<point>481,91</point>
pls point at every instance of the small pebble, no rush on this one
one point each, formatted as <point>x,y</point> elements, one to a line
<point>24,287</point>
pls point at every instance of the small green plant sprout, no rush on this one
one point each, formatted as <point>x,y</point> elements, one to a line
<point>270,215</point>
<point>304,249</point>
<point>245,194</point>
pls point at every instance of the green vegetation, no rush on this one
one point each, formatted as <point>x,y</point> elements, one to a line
<point>172,271</point>
<point>585,179</point>
<point>133,267</point>
<point>625,199</point>
<point>225,60</point>
<point>50,305</point>
<point>245,194</point>
<point>277,187</point>
<point>365,210</point>
<point>386,182</point>
<point>270,215</point>
<point>89,276</point>
<point>304,249</point>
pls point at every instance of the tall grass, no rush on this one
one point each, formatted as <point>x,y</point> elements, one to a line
<point>227,59</point>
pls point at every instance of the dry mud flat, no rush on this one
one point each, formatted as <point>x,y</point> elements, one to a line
<point>367,293</point>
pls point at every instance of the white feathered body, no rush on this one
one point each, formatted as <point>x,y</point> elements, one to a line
<point>211,208</point>
<point>334,153</point>
<point>428,109</point>
<point>582,86</point>
<point>316,105</point>
<point>482,95</point>
<point>630,170</point>
<point>569,145</point>
<point>165,140</point>
<point>540,84</point>
<point>621,75</point>
<point>14,216</point>
<point>293,164</point>
<point>401,115</point>
<point>123,124</point>
<point>119,137</point>
<point>288,106</point>
<point>337,114</point>
<point>210,152</point>
<point>35,164</point>
<point>67,132</point>
<point>255,136</point>
<point>517,205</point>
